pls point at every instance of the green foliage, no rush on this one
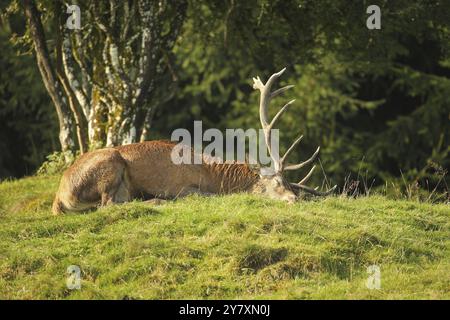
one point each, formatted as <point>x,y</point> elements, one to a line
<point>56,163</point>
<point>230,247</point>
<point>28,130</point>
<point>375,101</point>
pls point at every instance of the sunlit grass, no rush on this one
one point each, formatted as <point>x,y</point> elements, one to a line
<point>225,247</point>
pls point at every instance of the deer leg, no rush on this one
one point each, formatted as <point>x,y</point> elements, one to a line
<point>118,191</point>
<point>107,199</point>
<point>123,191</point>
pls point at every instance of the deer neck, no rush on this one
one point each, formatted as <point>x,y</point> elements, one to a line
<point>232,177</point>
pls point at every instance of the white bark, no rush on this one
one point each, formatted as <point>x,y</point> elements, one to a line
<point>70,73</point>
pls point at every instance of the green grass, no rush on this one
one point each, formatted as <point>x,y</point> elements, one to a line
<point>227,247</point>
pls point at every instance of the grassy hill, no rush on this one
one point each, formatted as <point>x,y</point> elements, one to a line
<point>228,247</point>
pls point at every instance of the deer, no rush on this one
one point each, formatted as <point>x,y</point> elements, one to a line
<point>123,173</point>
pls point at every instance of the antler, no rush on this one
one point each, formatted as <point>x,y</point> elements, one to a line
<point>279,164</point>
<point>266,96</point>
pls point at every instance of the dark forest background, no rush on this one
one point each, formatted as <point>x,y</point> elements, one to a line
<point>377,101</point>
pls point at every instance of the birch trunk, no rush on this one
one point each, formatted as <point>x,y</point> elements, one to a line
<point>73,93</point>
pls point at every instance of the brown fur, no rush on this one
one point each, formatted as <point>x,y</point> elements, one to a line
<point>115,175</point>
<point>229,178</point>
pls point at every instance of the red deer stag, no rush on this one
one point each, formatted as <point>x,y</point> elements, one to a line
<point>116,175</point>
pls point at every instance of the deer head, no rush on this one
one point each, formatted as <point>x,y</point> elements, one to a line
<point>272,182</point>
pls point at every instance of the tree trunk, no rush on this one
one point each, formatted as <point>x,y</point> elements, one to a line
<point>49,76</point>
<point>64,71</point>
<point>97,119</point>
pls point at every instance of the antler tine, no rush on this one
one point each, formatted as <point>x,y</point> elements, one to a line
<point>274,77</point>
<point>280,91</point>
<point>257,83</point>
<point>306,178</point>
<point>304,163</point>
<point>313,191</point>
<point>279,113</point>
<point>293,145</point>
